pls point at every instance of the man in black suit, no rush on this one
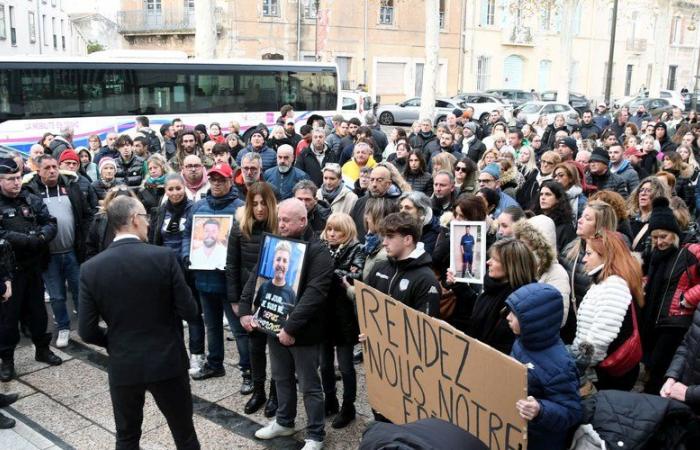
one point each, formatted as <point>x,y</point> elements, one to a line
<point>143,312</point>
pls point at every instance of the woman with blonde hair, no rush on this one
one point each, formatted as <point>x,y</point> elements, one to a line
<point>607,315</point>
<point>489,156</point>
<point>443,161</point>
<point>278,137</point>
<point>342,329</point>
<point>152,189</point>
<point>258,216</point>
<point>527,162</point>
<point>540,125</point>
<point>620,207</point>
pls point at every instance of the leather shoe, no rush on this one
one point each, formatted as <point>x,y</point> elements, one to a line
<point>345,416</point>
<point>271,404</point>
<point>8,399</point>
<point>47,356</point>
<point>7,370</point>
<point>6,422</point>
<point>208,372</point>
<point>331,405</point>
<point>247,384</point>
<point>256,401</point>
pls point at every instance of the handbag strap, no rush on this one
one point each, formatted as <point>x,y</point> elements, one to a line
<point>640,235</point>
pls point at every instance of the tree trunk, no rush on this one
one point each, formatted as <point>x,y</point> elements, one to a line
<point>432,50</point>
<point>205,34</point>
<point>566,41</point>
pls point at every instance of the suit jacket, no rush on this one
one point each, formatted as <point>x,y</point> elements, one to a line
<point>140,292</point>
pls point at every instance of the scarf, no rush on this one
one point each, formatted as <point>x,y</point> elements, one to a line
<point>371,244</point>
<point>197,186</point>
<point>330,196</point>
<point>159,181</point>
<point>176,213</point>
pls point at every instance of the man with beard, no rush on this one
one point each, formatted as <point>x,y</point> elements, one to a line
<point>211,255</point>
<point>588,127</point>
<point>471,145</point>
<point>291,132</point>
<point>285,176</point>
<point>275,294</point>
<point>168,133</point>
<point>354,124</point>
<point>443,193</point>
<point>257,145</point>
<point>380,186</point>
<point>313,158</point>
<point>187,144</point>
<point>196,182</point>
<point>108,149</point>
<point>250,172</point>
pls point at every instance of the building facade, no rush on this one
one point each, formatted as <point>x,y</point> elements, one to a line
<point>38,27</point>
<point>483,43</point>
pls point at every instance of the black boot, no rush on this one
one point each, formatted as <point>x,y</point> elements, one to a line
<point>256,401</point>
<point>45,355</point>
<point>6,422</point>
<point>8,399</point>
<point>271,405</point>
<point>247,384</point>
<point>7,370</point>
<point>331,405</point>
<point>345,416</point>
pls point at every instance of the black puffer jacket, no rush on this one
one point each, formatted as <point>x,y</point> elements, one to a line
<point>130,172</point>
<point>685,366</point>
<point>640,421</point>
<point>575,269</point>
<point>99,236</point>
<point>101,188</point>
<point>422,182</point>
<point>342,327</point>
<point>241,257</point>
<point>608,182</point>
<point>550,134</point>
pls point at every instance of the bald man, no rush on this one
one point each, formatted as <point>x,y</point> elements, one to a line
<point>295,350</point>
<point>380,186</point>
<point>284,176</point>
<point>36,151</point>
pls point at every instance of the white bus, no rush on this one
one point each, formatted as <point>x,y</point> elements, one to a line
<point>98,96</point>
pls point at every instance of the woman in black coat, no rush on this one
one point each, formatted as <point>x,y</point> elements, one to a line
<point>555,205</point>
<point>342,329</point>
<point>549,136</point>
<point>255,218</point>
<point>101,234</point>
<point>417,174</point>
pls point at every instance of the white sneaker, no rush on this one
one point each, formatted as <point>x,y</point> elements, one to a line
<point>62,339</point>
<point>196,361</point>
<point>312,445</point>
<point>273,430</point>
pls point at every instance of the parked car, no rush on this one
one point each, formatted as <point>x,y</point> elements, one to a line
<point>533,111</point>
<point>577,101</point>
<point>674,98</point>
<point>483,104</point>
<point>654,106</point>
<point>354,104</point>
<point>408,111</point>
<point>515,97</point>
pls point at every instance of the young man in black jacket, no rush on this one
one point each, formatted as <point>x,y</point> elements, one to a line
<point>294,352</point>
<point>406,275</point>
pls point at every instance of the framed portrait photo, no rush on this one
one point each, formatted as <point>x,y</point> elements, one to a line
<point>468,251</point>
<point>280,268</point>
<point>209,241</point>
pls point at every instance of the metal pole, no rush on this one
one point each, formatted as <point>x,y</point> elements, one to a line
<point>298,31</point>
<point>364,50</point>
<point>611,54</point>
<point>316,33</point>
<point>694,96</point>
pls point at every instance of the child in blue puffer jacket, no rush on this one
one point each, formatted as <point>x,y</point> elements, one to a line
<point>553,405</point>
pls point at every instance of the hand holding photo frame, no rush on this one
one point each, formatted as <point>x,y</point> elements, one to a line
<point>209,241</point>
<point>280,268</point>
<point>468,251</point>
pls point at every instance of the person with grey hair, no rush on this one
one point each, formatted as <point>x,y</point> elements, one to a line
<point>284,176</point>
<point>317,211</point>
<point>144,327</point>
<point>248,173</point>
<point>62,142</point>
<point>319,153</point>
<point>419,206</point>
<point>340,197</point>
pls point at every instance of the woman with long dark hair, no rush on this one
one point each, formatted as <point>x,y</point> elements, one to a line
<point>417,174</point>
<point>259,215</point>
<point>555,204</point>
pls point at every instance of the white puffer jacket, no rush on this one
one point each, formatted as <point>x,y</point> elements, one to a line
<point>600,315</point>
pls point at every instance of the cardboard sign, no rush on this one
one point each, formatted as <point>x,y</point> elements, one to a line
<point>417,367</point>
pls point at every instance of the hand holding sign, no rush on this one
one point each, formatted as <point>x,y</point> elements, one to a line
<point>528,408</point>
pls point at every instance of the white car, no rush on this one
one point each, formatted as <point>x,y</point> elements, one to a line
<point>533,110</point>
<point>354,104</point>
<point>483,104</point>
<point>674,98</point>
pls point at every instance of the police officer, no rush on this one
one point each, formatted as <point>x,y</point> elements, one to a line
<point>26,224</point>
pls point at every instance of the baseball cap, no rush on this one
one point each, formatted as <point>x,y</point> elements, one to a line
<point>633,151</point>
<point>222,169</point>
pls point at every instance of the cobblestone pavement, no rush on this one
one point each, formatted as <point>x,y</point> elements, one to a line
<point>68,406</point>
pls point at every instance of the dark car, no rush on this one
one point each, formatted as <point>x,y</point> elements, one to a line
<point>516,97</point>
<point>577,101</point>
<point>654,106</point>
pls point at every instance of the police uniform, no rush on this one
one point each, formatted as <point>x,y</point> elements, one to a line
<point>26,224</point>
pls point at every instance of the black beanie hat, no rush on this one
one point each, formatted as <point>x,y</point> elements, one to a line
<point>662,217</point>
<point>600,155</point>
<point>8,166</point>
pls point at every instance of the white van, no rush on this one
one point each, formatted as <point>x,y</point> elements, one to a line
<point>354,104</point>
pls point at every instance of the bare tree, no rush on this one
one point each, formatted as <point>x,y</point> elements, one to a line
<point>205,25</point>
<point>432,50</point>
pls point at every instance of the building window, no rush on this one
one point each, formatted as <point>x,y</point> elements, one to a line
<point>386,12</point>
<point>546,18</point>
<point>628,79</point>
<point>676,31</point>
<point>63,36</point>
<point>488,12</point>
<point>189,6</point>
<point>3,30</point>
<point>53,2</point>
<point>442,14</point>
<point>671,83</point>
<point>55,36</point>
<point>573,76</point>
<point>13,30</point>
<point>153,6</point>
<point>310,9</point>
<point>344,71</point>
<point>271,8</point>
<point>482,73</point>
<point>44,29</point>
<point>32,27</point>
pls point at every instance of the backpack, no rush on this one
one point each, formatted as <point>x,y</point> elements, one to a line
<point>153,141</point>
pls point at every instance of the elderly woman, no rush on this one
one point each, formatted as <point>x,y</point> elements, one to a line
<point>418,205</point>
<point>361,157</point>
<point>639,206</point>
<point>340,197</point>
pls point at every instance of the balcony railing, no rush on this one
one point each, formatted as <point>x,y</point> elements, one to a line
<point>141,22</point>
<point>636,45</point>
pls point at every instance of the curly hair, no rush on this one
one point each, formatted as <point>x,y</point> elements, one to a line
<point>561,211</point>
<point>615,200</point>
<point>546,254</point>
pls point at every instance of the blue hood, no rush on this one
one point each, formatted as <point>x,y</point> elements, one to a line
<point>220,203</point>
<point>624,165</point>
<point>539,308</point>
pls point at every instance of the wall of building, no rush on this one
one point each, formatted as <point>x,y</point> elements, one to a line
<point>38,27</point>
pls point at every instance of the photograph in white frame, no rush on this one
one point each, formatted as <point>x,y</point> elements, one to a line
<point>209,243</point>
<point>468,251</point>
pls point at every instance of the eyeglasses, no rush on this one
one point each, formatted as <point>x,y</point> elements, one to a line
<point>461,169</point>
<point>249,169</point>
<point>551,163</point>
<point>645,191</point>
<point>193,166</point>
<point>484,181</point>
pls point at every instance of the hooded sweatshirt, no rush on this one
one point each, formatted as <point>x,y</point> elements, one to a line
<point>551,378</point>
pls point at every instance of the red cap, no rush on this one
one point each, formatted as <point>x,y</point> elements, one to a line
<point>633,151</point>
<point>69,155</point>
<point>222,169</point>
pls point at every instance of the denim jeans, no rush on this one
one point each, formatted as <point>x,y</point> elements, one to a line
<point>63,267</point>
<point>290,364</point>
<point>347,371</point>
<point>213,308</point>
<point>241,335</point>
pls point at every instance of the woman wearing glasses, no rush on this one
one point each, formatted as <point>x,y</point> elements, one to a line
<point>528,195</point>
<point>639,205</point>
<point>466,176</point>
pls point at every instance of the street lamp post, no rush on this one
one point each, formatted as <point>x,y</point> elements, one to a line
<point>694,95</point>
<point>611,54</point>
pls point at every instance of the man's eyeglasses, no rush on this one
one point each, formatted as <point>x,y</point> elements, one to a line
<point>484,181</point>
<point>193,166</point>
<point>549,163</point>
<point>249,169</point>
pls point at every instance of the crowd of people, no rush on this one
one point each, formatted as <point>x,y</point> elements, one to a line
<point>593,275</point>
